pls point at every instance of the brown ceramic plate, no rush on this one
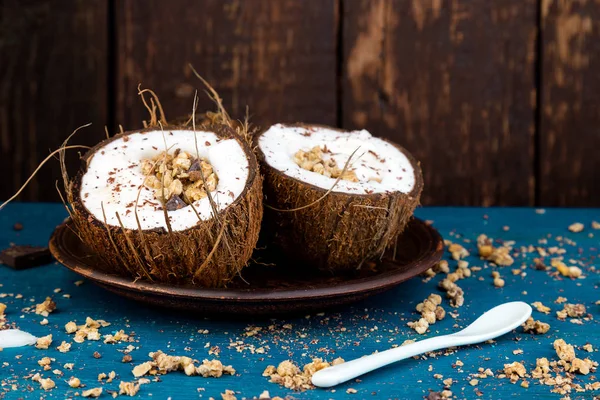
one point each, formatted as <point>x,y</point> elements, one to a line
<point>271,286</point>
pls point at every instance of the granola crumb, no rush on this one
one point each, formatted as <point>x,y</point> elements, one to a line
<point>351,391</point>
<point>43,342</point>
<point>228,395</point>
<point>74,382</point>
<point>453,291</point>
<point>162,363</point>
<point>419,326</point>
<point>576,227</point>
<point>46,307</point>
<point>288,374</point>
<point>536,327</point>
<point>314,160</point>
<point>64,347</point>
<point>214,369</point>
<point>497,255</point>
<point>514,371</point>
<point>179,179</point>
<point>94,392</point>
<point>564,351</point>
<point>129,388</point>
<point>47,383</point>
<point>71,327</point>
<point>142,369</point>
<point>588,347</point>
<point>457,251</point>
<point>431,311</point>
<point>540,307</point>
<point>127,358</point>
<point>571,310</point>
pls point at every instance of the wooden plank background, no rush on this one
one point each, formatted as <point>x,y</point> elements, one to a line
<point>499,100</point>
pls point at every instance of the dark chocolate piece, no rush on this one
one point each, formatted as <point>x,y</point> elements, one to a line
<point>194,167</point>
<point>175,203</point>
<point>22,257</point>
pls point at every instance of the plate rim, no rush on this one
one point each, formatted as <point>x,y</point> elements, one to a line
<point>378,282</point>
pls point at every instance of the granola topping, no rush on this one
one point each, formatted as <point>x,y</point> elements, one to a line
<point>316,160</point>
<point>179,179</point>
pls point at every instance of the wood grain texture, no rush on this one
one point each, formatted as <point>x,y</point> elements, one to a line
<point>454,83</point>
<point>52,80</point>
<point>570,104</point>
<point>277,57</point>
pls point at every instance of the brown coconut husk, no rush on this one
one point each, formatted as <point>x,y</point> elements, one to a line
<point>330,230</point>
<point>209,254</point>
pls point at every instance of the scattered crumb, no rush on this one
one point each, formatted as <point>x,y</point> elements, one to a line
<point>64,347</point>
<point>287,374</point>
<point>94,392</point>
<point>576,227</point>
<point>537,327</point>
<point>514,371</point>
<point>46,307</point>
<point>44,342</point>
<point>129,388</point>
<point>74,382</point>
<point>228,395</point>
<point>541,308</point>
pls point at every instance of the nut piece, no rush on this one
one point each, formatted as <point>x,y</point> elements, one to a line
<point>499,282</point>
<point>514,371</point>
<point>287,374</point>
<point>431,311</point>
<point>46,307</point>
<point>540,307</point>
<point>44,342</point>
<point>178,179</point>
<point>228,395</point>
<point>64,347</point>
<point>576,227</point>
<point>564,351</point>
<point>74,382</point>
<point>419,326</point>
<point>129,388</point>
<point>94,392</point>
<point>537,327</point>
<point>314,161</point>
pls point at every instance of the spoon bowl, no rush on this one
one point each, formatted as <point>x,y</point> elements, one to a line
<point>491,324</point>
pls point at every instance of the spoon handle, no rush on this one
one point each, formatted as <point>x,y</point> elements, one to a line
<point>343,372</point>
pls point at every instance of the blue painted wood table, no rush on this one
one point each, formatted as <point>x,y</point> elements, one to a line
<point>372,325</point>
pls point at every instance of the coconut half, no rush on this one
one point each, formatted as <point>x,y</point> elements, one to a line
<point>174,206</point>
<point>326,210</point>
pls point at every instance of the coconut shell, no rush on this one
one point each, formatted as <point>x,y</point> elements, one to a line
<point>209,254</point>
<point>339,232</point>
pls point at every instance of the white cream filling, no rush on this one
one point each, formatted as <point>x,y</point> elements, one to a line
<point>114,178</point>
<point>379,166</point>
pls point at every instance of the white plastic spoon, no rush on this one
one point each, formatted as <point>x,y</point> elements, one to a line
<point>493,323</point>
